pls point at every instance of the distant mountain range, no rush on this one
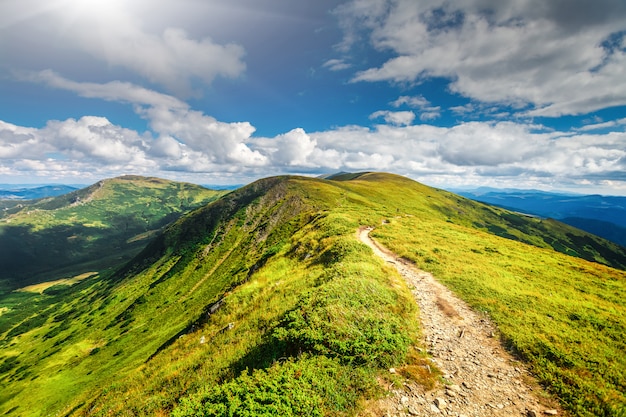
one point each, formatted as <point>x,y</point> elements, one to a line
<point>604,216</point>
<point>12,192</point>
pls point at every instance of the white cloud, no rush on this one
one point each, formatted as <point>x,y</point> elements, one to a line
<point>81,149</point>
<point>93,145</point>
<point>551,55</point>
<point>183,140</point>
<point>18,142</point>
<point>180,139</point>
<point>503,154</point>
<point>111,91</point>
<point>97,139</point>
<point>336,64</point>
<point>426,109</point>
<point>416,102</point>
<point>394,117</point>
<point>603,125</point>
<point>110,33</point>
<point>293,148</point>
<point>166,147</point>
<point>171,120</point>
<point>480,153</point>
<point>483,144</point>
<point>430,115</point>
<point>219,141</point>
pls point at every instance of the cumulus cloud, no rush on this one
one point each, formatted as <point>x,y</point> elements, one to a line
<point>93,144</point>
<point>292,149</point>
<point>481,153</point>
<point>503,154</point>
<point>182,140</point>
<point>97,139</point>
<point>80,148</point>
<point>556,57</point>
<point>416,102</point>
<point>18,142</point>
<point>222,143</point>
<point>426,109</point>
<point>394,117</point>
<point>483,144</point>
<point>170,119</point>
<point>179,139</point>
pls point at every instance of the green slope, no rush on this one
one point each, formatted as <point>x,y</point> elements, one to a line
<point>97,227</point>
<point>264,300</point>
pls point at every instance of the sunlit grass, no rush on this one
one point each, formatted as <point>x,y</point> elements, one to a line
<point>41,287</point>
<point>294,282</point>
<point>255,309</point>
<point>565,316</point>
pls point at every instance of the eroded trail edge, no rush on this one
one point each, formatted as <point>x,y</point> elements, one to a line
<point>482,378</point>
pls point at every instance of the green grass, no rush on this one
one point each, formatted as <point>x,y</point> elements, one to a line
<point>93,229</point>
<point>308,316</point>
<point>565,316</point>
<point>301,268</point>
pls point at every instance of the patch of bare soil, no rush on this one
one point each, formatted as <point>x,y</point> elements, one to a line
<point>479,378</point>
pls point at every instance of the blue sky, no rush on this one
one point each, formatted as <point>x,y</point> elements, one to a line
<point>523,94</point>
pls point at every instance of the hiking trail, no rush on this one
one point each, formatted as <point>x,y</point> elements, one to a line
<point>482,379</point>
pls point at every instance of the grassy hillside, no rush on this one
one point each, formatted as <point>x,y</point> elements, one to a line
<point>90,229</point>
<point>265,301</point>
<point>266,255</point>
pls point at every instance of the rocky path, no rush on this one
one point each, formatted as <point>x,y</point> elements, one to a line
<point>482,378</point>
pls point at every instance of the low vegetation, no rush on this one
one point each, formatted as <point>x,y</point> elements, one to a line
<point>310,386</point>
<point>265,303</point>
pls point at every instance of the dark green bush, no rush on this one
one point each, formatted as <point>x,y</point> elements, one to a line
<point>57,289</point>
<point>311,386</point>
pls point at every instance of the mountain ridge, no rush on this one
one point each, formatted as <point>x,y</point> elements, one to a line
<point>268,288</point>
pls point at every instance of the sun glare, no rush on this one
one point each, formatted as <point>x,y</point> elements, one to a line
<point>93,8</point>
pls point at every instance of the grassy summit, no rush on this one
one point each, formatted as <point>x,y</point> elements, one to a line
<point>265,301</point>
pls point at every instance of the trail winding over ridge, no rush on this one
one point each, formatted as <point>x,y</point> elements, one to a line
<point>484,379</point>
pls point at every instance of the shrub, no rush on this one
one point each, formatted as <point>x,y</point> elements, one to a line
<point>311,386</point>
